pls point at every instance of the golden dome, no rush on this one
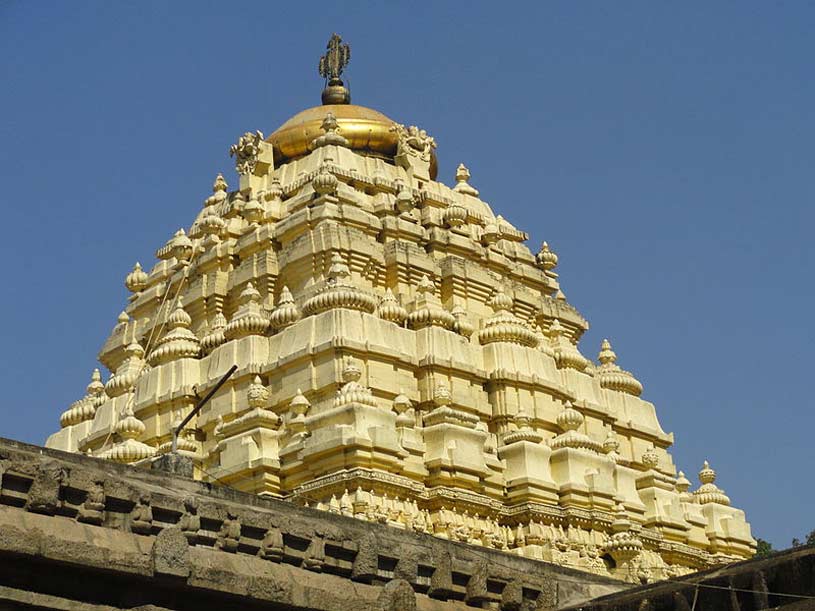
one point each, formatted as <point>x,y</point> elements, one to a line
<point>368,132</point>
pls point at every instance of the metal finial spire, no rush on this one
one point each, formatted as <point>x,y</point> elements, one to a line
<point>336,58</point>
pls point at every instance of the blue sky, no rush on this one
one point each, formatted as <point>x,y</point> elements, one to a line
<point>665,151</point>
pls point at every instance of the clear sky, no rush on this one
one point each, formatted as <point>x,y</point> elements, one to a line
<point>665,153</point>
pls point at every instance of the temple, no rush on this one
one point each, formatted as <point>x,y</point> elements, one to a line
<point>402,358</point>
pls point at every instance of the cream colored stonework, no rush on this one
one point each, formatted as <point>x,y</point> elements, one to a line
<point>402,358</point>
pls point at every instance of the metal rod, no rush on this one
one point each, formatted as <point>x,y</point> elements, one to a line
<point>199,405</point>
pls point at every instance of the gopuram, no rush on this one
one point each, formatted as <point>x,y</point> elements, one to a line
<point>402,358</point>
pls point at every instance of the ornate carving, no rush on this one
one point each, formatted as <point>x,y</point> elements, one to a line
<point>298,408</point>
<point>257,395</point>
<point>352,392</point>
<point>179,246</point>
<point>462,324</point>
<point>336,58</point>
<point>246,151</point>
<point>414,142</point>
<point>406,415</point>
<point>252,211</point>
<point>524,432</point>
<point>427,309</point>
<point>566,353</point>
<point>682,487</point>
<point>455,216</point>
<point>85,408</point>
<point>650,458</point>
<point>611,446</point>
<point>332,64</point>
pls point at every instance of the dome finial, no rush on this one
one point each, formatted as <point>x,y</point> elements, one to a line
<point>336,58</point>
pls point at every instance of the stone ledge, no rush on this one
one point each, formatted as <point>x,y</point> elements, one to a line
<point>77,515</point>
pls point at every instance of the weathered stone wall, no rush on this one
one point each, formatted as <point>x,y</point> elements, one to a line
<point>81,533</point>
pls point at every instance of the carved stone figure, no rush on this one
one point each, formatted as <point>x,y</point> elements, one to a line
<point>92,509</point>
<point>246,151</point>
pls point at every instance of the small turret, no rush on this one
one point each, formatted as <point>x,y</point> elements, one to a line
<point>179,342</point>
<point>129,449</point>
<point>570,420</point>
<point>219,188</point>
<point>611,376</point>
<point>565,352</point>
<point>708,492</point>
<point>215,334</point>
<point>504,326</point>
<point>249,319</point>
<point>427,310</point>
<point>462,181</point>
<point>286,313</point>
<point>136,280</point>
<point>390,309</point>
<point>546,259</point>
<point>352,392</point>
<point>339,291</point>
<point>331,136</point>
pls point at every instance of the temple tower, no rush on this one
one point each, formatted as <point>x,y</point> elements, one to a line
<point>402,357</point>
